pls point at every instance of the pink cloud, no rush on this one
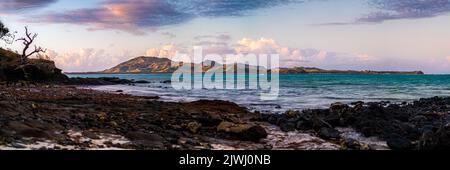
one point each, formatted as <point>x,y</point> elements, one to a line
<point>134,15</point>
<point>87,59</point>
<point>8,6</point>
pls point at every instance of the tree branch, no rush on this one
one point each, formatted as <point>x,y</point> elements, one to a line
<point>27,41</point>
<point>36,50</point>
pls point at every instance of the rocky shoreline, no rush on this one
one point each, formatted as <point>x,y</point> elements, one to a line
<point>419,125</point>
<point>67,117</point>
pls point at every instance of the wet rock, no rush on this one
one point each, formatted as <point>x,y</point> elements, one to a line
<point>358,106</point>
<point>272,119</point>
<point>35,133</point>
<point>437,139</point>
<point>147,140</point>
<point>232,127</point>
<point>98,81</point>
<point>357,103</point>
<point>90,135</point>
<point>292,114</point>
<point>209,120</point>
<point>166,81</point>
<point>281,121</point>
<point>243,131</point>
<point>287,126</point>
<point>419,119</point>
<point>318,122</point>
<point>399,143</point>
<point>255,133</point>
<point>352,144</point>
<point>303,125</point>
<point>141,82</point>
<point>21,129</point>
<point>443,138</point>
<point>339,108</point>
<point>113,124</point>
<point>193,126</point>
<point>335,120</point>
<point>329,133</point>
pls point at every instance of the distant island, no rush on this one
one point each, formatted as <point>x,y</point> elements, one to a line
<point>144,64</point>
<point>312,70</point>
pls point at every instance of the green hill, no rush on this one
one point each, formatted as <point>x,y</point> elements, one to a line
<point>163,65</point>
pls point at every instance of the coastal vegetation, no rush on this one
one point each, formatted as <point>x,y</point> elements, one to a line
<point>163,65</point>
<point>3,30</point>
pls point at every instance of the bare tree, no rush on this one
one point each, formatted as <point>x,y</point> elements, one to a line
<point>27,41</point>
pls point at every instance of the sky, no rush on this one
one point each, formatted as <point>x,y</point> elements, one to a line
<point>93,35</point>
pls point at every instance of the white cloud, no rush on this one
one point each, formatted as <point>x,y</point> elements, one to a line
<point>87,59</point>
<point>165,51</point>
<point>365,57</point>
<point>289,57</point>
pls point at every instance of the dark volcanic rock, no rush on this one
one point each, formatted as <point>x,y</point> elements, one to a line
<point>255,133</point>
<point>329,133</point>
<point>424,122</point>
<point>146,140</point>
<point>435,139</point>
<point>243,131</point>
<point>34,70</point>
<point>339,108</point>
<point>23,130</point>
<point>166,81</point>
<point>98,81</point>
<point>141,82</point>
<point>399,143</point>
<point>90,135</point>
<point>38,71</point>
<point>288,126</point>
<point>352,144</point>
<point>102,81</point>
<point>51,112</point>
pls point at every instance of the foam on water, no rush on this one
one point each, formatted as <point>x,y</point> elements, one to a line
<point>297,91</point>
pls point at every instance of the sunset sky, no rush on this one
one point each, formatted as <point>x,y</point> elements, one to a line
<point>93,35</point>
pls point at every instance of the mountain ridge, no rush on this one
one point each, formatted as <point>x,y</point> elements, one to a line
<point>145,64</point>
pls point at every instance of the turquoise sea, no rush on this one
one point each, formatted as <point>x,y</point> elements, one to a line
<point>297,91</point>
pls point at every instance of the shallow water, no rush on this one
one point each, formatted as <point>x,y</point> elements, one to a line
<point>298,91</point>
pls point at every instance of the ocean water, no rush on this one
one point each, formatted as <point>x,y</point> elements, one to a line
<point>297,91</point>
